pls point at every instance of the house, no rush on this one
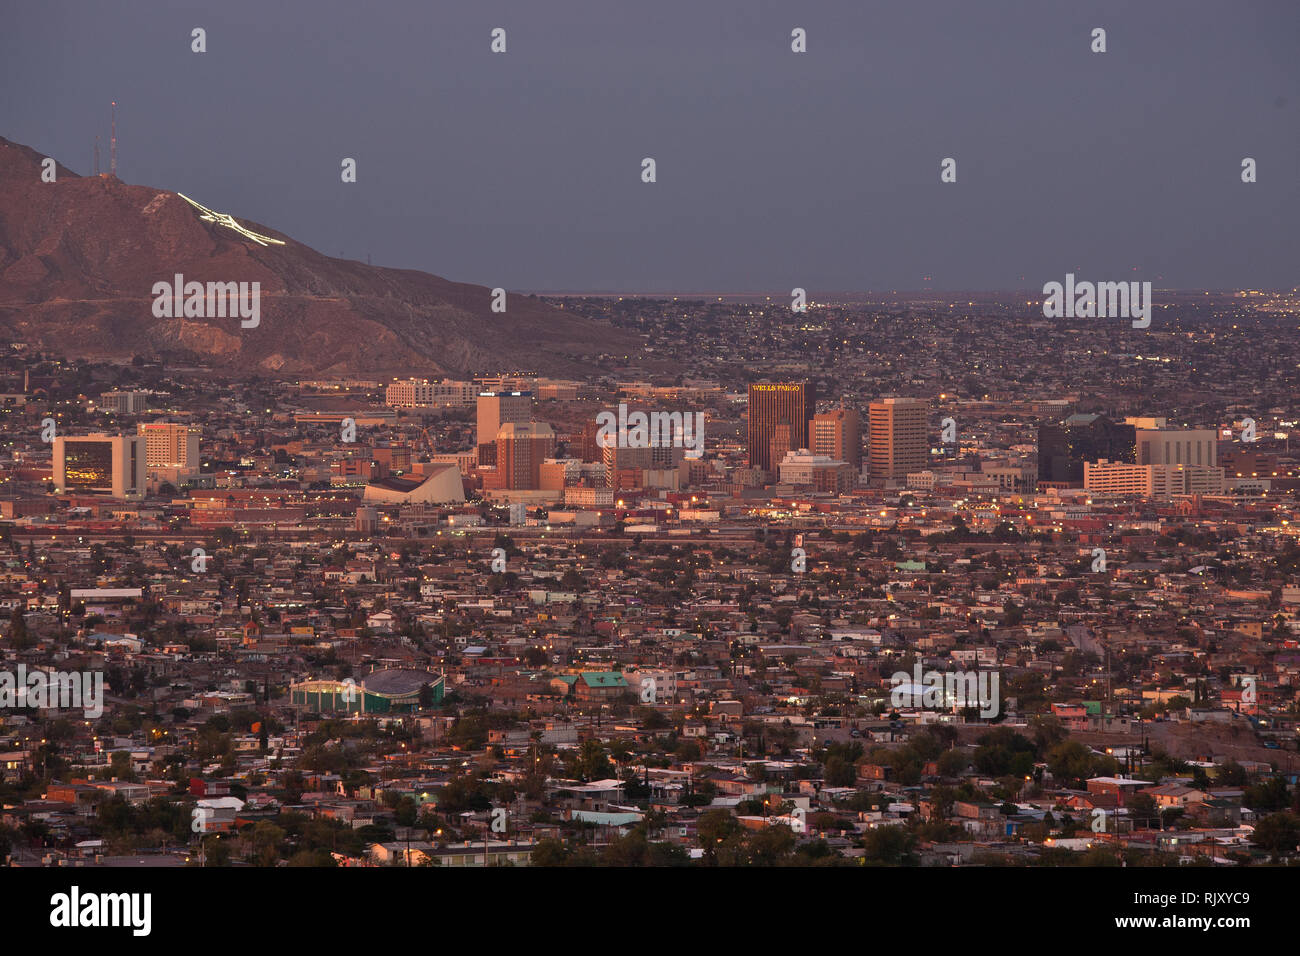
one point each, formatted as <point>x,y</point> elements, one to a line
<point>1175,795</point>
<point>217,813</point>
<point>1121,788</point>
<point>401,853</point>
<point>600,686</point>
<point>491,853</point>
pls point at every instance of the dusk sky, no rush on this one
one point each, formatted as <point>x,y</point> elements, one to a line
<point>775,169</point>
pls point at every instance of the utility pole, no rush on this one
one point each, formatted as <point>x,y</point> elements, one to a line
<point>1108,699</point>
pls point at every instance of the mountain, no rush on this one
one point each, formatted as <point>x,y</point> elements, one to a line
<point>79,259</point>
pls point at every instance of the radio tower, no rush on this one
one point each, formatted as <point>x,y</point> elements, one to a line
<point>112,163</point>
<point>96,154</point>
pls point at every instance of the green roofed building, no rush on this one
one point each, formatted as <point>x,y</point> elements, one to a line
<point>600,685</point>
<point>391,691</point>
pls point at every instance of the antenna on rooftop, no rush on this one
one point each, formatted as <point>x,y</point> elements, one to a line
<point>112,167</point>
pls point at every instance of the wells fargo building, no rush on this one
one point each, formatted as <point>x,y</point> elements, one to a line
<point>778,403</point>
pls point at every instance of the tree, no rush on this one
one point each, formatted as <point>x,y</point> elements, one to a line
<point>953,762</point>
<point>1071,760</point>
<point>18,635</point>
<point>1142,807</point>
<point>549,852</point>
<point>592,762</point>
<point>266,840</point>
<point>1012,613</point>
<point>770,845</point>
<point>890,845</point>
<point>1279,833</point>
<point>1270,795</point>
<point>715,828</point>
<point>840,772</point>
<point>1003,751</point>
<point>687,751</point>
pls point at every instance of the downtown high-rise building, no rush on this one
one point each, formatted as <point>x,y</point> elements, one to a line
<point>898,438</point>
<point>170,445</point>
<point>521,449</point>
<point>1176,446</point>
<point>837,433</point>
<point>1063,448</point>
<point>124,403</point>
<point>494,410</point>
<point>778,403</point>
<point>101,464</point>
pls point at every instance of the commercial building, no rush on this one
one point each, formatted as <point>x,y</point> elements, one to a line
<point>101,464</point>
<point>618,458</point>
<point>819,472</point>
<point>579,496</point>
<point>391,691</point>
<point>897,435</point>
<point>1063,448</point>
<point>124,403</point>
<point>1151,481</point>
<point>1177,446</point>
<point>495,409</point>
<point>1148,423</point>
<point>521,448</point>
<point>169,445</point>
<point>837,433</point>
<point>421,393</point>
<point>778,403</point>
<point>441,485</point>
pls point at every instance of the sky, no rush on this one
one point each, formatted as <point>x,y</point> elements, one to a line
<point>774,169</point>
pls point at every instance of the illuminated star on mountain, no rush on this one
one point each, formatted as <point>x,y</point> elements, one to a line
<point>225,219</point>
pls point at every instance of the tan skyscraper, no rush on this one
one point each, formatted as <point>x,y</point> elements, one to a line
<point>898,437</point>
<point>1177,446</point>
<point>169,445</point>
<point>494,410</point>
<point>837,433</point>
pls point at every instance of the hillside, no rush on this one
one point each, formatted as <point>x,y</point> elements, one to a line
<point>79,258</point>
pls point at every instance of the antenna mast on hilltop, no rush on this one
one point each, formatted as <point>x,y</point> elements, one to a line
<point>112,163</point>
<point>96,154</point>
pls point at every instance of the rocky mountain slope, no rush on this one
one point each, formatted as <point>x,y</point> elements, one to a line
<point>79,258</point>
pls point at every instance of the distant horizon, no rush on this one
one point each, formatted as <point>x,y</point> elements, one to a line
<point>815,296</point>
